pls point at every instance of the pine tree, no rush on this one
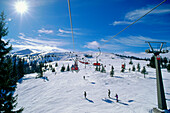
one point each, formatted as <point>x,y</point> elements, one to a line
<point>99,68</point>
<point>41,71</point>
<point>144,71</point>
<point>138,67</point>
<point>56,64</point>
<point>168,67</point>
<point>20,68</point>
<point>103,69</point>
<point>50,66</point>
<point>165,60</point>
<point>129,69</point>
<point>133,68</point>
<point>152,62</point>
<point>68,68</point>
<point>53,69</point>
<point>8,80</point>
<point>96,69</point>
<point>131,61</point>
<point>46,66</point>
<point>112,71</point>
<point>14,71</point>
<point>63,68</point>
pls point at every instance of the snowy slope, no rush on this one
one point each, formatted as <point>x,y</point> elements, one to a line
<point>23,52</point>
<point>63,93</point>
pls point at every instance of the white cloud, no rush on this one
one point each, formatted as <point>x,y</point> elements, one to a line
<point>103,40</point>
<point>45,31</point>
<point>42,41</point>
<point>135,14</point>
<point>136,41</point>
<point>21,34</point>
<point>92,45</point>
<point>63,31</point>
<point>67,33</point>
<point>63,35</point>
<point>40,44</point>
<point>121,22</point>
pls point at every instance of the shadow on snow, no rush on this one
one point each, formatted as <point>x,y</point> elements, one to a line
<point>107,100</point>
<point>89,100</point>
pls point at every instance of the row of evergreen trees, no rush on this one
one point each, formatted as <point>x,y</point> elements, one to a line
<point>163,61</point>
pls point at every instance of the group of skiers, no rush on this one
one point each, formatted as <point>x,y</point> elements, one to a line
<point>109,92</point>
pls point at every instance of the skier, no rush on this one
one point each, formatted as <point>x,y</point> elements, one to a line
<point>84,77</point>
<point>116,97</point>
<point>109,93</point>
<point>85,94</point>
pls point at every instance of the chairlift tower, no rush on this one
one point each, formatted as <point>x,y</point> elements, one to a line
<point>160,88</point>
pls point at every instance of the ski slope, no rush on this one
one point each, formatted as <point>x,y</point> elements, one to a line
<point>64,92</point>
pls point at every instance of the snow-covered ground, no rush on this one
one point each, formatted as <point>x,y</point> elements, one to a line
<point>64,92</point>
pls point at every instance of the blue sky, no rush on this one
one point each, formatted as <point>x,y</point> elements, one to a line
<point>46,25</point>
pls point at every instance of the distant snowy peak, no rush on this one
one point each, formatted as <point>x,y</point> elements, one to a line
<point>24,52</point>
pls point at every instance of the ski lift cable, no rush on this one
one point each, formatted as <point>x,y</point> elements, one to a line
<point>71,29</point>
<point>71,24</point>
<point>98,54</point>
<point>75,67</point>
<point>134,22</point>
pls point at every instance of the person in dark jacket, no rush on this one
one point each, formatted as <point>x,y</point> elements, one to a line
<point>109,93</point>
<point>116,97</point>
<point>85,94</point>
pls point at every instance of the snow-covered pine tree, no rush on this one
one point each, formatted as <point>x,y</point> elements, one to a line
<point>56,64</point>
<point>144,71</point>
<point>103,69</point>
<point>53,69</point>
<point>138,67</point>
<point>50,66</point>
<point>99,68</point>
<point>46,66</point>
<point>63,68</point>
<point>165,61</point>
<point>152,62</point>
<point>41,71</point>
<point>112,71</point>
<point>129,69</point>
<point>20,68</point>
<point>133,68</point>
<point>131,61</point>
<point>168,67</point>
<point>14,71</point>
<point>68,68</point>
<point>8,80</point>
<point>96,69</point>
